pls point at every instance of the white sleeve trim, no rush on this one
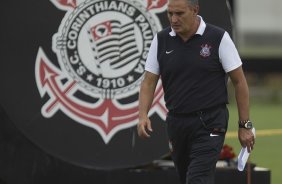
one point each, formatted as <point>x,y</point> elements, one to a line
<point>152,64</point>
<point>228,54</point>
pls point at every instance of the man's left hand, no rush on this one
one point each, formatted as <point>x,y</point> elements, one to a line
<point>246,138</point>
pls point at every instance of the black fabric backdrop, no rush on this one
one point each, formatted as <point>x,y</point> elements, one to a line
<point>25,26</point>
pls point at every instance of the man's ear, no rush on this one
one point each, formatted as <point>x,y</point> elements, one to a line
<point>196,9</point>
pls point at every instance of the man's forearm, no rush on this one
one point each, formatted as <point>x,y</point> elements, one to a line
<point>241,92</point>
<point>242,99</point>
<point>146,95</point>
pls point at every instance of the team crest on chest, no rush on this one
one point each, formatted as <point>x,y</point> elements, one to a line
<point>206,50</point>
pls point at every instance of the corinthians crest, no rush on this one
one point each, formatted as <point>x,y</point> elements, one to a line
<point>101,48</point>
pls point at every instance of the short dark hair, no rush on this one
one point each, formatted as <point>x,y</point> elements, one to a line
<point>193,2</point>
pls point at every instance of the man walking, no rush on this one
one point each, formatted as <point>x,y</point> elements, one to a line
<point>194,60</point>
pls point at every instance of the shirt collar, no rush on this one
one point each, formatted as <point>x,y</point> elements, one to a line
<point>200,31</point>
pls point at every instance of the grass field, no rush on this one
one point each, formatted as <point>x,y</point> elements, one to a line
<point>268,147</point>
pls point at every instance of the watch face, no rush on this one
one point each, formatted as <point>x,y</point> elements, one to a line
<point>249,125</point>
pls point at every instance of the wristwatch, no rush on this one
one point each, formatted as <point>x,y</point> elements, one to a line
<point>245,124</point>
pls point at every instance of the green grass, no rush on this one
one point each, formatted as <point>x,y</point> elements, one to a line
<point>261,51</point>
<point>268,149</point>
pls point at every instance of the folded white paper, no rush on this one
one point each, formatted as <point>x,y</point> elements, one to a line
<point>244,155</point>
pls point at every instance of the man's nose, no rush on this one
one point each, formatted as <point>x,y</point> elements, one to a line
<point>174,18</point>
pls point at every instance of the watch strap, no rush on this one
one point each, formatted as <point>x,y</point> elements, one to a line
<point>245,124</point>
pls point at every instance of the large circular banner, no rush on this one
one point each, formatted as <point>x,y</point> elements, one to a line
<point>70,75</point>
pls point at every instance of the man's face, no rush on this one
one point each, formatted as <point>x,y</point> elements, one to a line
<point>181,16</point>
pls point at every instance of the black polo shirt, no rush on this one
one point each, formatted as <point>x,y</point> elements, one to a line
<point>193,74</point>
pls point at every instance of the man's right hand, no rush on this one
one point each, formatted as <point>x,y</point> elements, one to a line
<point>144,127</point>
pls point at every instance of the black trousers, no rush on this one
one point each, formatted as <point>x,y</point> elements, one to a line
<point>196,140</point>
